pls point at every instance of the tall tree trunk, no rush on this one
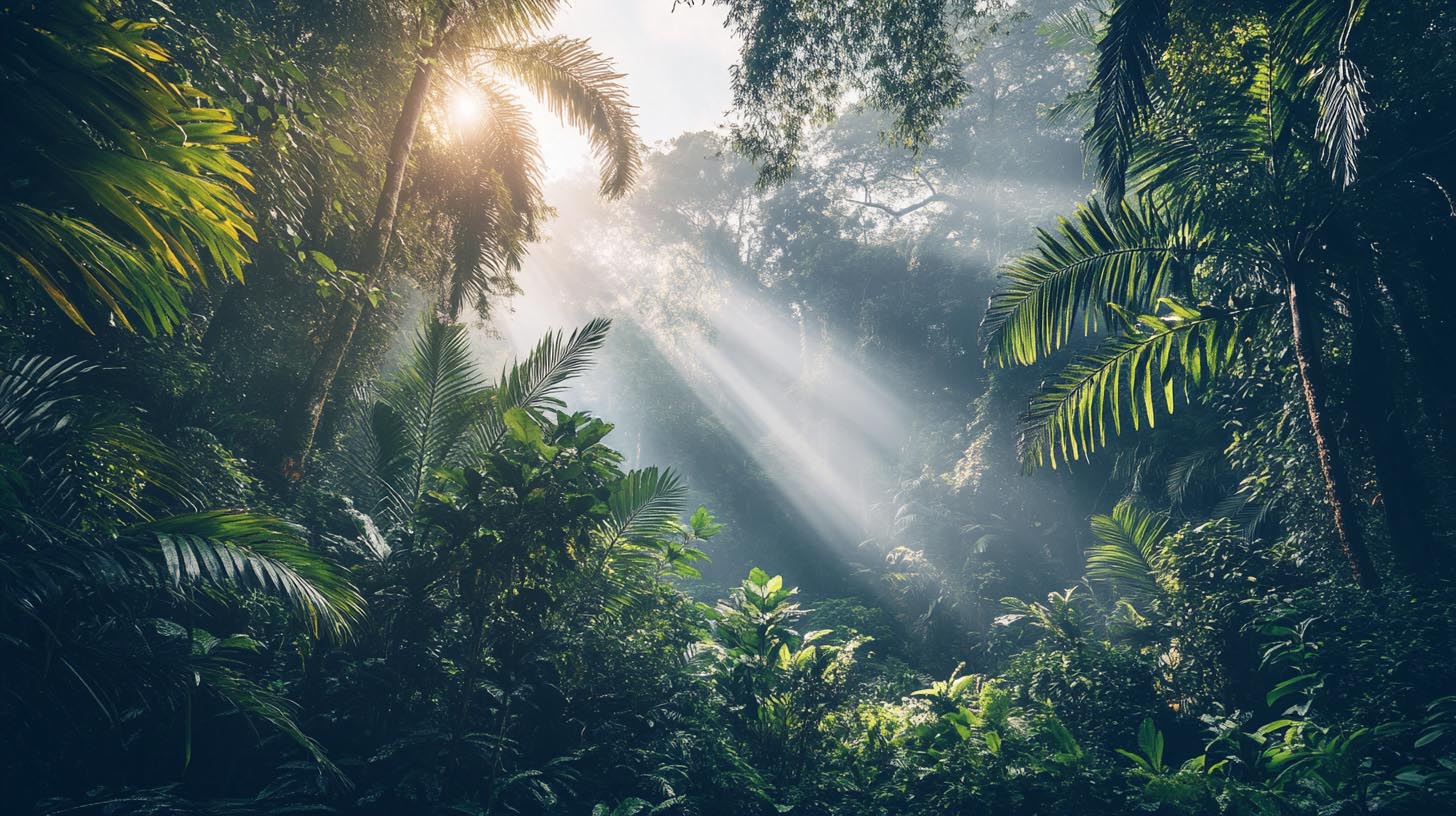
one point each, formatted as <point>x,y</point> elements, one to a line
<point>1309,352</point>
<point>1403,491</point>
<point>301,423</point>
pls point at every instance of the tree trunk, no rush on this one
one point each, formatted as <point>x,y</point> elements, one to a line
<point>1422,336</point>
<point>301,423</point>
<point>1403,490</point>
<point>1309,352</point>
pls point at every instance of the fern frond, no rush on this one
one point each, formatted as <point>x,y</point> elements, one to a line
<point>432,395</point>
<point>1127,556</point>
<point>531,384</point>
<point>643,504</point>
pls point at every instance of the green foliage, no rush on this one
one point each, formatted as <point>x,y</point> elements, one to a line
<point>1134,36</point>
<point>478,608</point>
<point>123,192</point>
<point>252,551</point>
<point>581,88</point>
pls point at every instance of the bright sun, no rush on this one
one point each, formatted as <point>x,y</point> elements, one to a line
<point>466,107</point>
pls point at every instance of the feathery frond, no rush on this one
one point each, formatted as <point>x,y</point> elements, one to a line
<point>433,395</point>
<point>418,420</point>
<point>1124,254</point>
<point>1316,34</point>
<point>1132,376</point>
<point>31,391</point>
<point>251,551</point>
<point>495,21</point>
<point>1127,557</point>
<point>496,204</point>
<point>531,384</point>
<point>221,671</point>
<point>644,503</point>
<point>585,91</point>
<point>1341,123</point>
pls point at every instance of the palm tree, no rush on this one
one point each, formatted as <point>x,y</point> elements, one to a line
<point>120,190</point>
<point>1187,285</point>
<point>485,43</point>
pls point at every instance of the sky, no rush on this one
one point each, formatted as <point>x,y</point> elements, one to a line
<point>676,62</point>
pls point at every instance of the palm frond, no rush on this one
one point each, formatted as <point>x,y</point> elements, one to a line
<point>221,672</point>
<point>1341,123</point>
<point>377,454</point>
<point>493,21</point>
<point>1076,28</point>
<point>33,391</point>
<point>531,384</point>
<point>643,505</point>
<point>250,551</point>
<point>432,397</point>
<point>497,206</point>
<point>1194,473</point>
<point>48,437</point>
<point>1136,32</point>
<point>1127,556</point>
<point>1317,33</point>
<point>586,92</point>
<point>1125,254</point>
<point>1132,376</point>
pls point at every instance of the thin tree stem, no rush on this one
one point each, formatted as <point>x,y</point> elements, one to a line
<point>1304,318</point>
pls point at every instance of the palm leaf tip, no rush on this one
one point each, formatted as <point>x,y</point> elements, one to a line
<point>1135,35</point>
<point>555,361</point>
<point>532,384</point>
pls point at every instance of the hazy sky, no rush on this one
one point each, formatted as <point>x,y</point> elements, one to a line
<point>676,64</point>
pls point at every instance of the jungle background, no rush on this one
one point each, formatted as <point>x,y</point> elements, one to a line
<point>1013,407</point>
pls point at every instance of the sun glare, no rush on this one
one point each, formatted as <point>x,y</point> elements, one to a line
<point>467,107</point>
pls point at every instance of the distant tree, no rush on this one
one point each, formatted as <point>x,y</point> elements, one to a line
<point>800,60</point>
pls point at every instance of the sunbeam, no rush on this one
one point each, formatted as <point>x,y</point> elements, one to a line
<point>819,424</point>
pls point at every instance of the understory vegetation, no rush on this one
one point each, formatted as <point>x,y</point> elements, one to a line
<point>1025,408</point>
